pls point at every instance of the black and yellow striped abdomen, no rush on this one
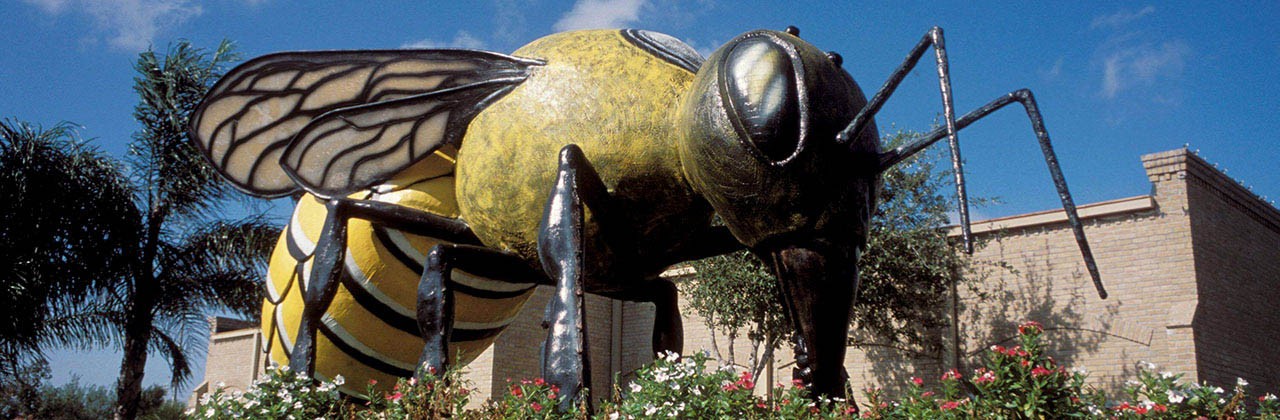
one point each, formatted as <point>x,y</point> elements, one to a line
<point>370,329</point>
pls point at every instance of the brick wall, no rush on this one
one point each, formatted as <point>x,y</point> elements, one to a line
<point>1236,238</point>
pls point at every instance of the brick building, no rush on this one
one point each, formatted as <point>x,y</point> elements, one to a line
<point>1192,269</point>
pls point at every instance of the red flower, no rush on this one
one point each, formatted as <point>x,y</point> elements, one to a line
<point>516,391</point>
<point>395,397</point>
<point>917,381</point>
<point>1160,408</point>
<point>927,394</point>
<point>730,387</point>
<point>1030,327</point>
<point>745,381</point>
<point>951,375</point>
<point>536,406</point>
<point>798,383</point>
<point>1140,409</point>
<point>1041,371</point>
<point>539,382</point>
<point>1025,363</point>
<point>373,382</point>
<point>949,405</point>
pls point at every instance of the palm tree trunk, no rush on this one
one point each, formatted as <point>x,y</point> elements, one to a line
<point>132,367</point>
<point>138,319</point>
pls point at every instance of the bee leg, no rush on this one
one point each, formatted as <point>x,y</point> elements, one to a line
<point>435,293</point>
<point>563,257</point>
<point>326,266</point>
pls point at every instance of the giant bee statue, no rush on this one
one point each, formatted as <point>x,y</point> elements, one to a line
<point>439,187</point>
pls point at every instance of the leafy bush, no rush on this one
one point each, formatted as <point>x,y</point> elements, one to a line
<point>1018,382</point>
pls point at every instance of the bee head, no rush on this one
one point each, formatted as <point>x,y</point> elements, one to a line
<point>759,144</point>
<point>758,141</point>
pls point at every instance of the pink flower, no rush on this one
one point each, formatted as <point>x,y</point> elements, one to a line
<point>536,406</point>
<point>1040,371</point>
<point>516,391</point>
<point>798,383</point>
<point>951,375</point>
<point>395,397</point>
<point>984,376</point>
<point>539,382</point>
<point>373,382</point>
<point>949,405</point>
<point>917,381</point>
<point>1160,408</point>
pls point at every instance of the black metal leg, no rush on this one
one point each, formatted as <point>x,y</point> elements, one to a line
<point>561,251</point>
<point>935,39</point>
<point>1028,101</point>
<point>328,260</point>
<point>668,327</point>
<point>326,266</point>
<point>435,294</point>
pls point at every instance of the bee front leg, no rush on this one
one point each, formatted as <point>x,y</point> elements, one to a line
<point>563,256</point>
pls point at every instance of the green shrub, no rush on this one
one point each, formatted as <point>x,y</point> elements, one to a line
<point>1019,382</point>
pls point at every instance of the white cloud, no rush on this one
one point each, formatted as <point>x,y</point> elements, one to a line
<point>1120,18</point>
<point>128,24</point>
<point>462,39</point>
<point>1142,65</point>
<point>589,14</point>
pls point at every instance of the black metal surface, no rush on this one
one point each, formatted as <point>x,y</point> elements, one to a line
<point>411,220</point>
<point>326,268</point>
<point>1028,101</point>
<point>561,251</point>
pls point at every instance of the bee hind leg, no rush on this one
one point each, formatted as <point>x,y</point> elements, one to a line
<point>435,294</point>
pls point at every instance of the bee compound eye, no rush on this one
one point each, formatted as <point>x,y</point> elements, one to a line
<point>791,29</point>
<point>835,58</point>
<point>760,85</point>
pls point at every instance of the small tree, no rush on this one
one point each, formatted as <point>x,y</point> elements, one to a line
<point>906,273</point>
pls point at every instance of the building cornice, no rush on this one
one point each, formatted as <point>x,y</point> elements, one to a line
<point>1048,217</point>
<point>1183,164</point>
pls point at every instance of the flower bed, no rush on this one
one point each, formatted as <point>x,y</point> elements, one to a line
<point>1013,383</point>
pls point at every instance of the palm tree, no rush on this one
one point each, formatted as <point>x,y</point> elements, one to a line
<point>65,210</point>
<point>184,263</point>
<point>152,258</point>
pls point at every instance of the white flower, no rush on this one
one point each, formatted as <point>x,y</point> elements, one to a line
<point>1240,382</point>
<point>1174,397</point>
<point>675,386</point>
<point>1132,383</point>
<point>297,405</point>
<point>635,387</point>
<point>220,384</point>
<point>1167,375</point>
<point>1145,365</point>
<point>338,380</point>
<point>1217,390</point>
<point>1270,397</point>
<point>613,415</point>
<point>649,409</point>
<point>209,412</point>
<point>696,391</point>
<point>284,368</point>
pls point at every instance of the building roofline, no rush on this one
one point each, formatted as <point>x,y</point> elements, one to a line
<point>1182,163</point>
<point>1047,217</point>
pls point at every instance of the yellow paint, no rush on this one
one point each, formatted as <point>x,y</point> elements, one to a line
<point>614,100</point>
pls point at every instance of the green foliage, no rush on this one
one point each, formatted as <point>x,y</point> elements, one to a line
<point>279,394</point>
<point>74,401</point>
<point>1018,382</point>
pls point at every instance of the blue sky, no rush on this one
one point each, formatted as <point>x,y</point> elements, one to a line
<point>1115,80</point>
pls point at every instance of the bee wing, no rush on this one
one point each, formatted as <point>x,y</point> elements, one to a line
<point>253,113</point>
<point>349,149</point>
